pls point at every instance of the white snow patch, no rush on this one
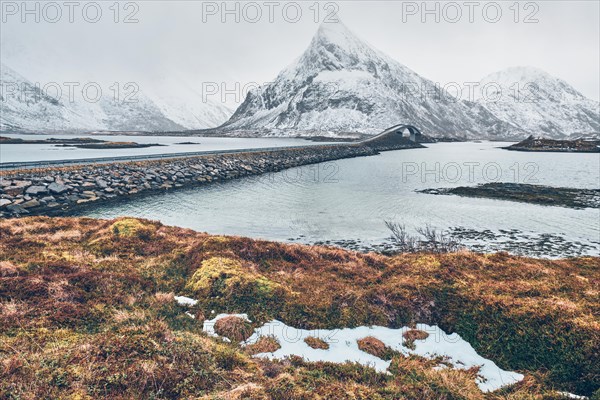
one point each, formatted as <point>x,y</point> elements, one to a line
<point>571,395</point>
<point>185,301</point>
<point>343,347</point>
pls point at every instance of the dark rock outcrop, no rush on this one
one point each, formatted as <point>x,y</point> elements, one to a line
<point>550,145</point>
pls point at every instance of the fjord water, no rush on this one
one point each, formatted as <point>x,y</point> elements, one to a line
<point>350,199</point>
<point>170,144</point>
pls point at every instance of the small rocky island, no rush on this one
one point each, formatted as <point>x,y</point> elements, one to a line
<point>534,194</point>
<point>112,145</point>
<point>551,145</point>
<point>82,143</point>
<point>53,141</point>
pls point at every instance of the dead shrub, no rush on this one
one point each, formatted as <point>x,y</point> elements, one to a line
<point>431,240</point>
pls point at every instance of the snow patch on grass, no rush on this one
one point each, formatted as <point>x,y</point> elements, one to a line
<point>571,395</point>
<point>185,301</point>
<point>343,347</point>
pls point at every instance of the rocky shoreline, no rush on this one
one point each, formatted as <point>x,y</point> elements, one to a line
<point>56,191</point>
<point>525,193</point>
<point>550,145</point>
<point>82,143</point>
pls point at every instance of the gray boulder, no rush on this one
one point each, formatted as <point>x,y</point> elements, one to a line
<point>36,190</point>
<point>58,188</point>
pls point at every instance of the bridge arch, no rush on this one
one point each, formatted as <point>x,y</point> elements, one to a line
<point>407,131</point>
<point>396,134</point>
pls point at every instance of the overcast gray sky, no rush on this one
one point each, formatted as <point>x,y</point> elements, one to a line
<point>190,42</point>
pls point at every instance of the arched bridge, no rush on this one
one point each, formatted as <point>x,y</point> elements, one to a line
<point>396,135</point>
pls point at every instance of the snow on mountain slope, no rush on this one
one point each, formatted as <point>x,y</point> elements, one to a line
<point>178,100</point>
<point>539,103</point>
<point>22,103</point>
<point>24,107</point>
<point>341,84</point>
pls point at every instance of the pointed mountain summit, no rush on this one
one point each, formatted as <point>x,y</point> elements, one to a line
<point>341,84</point>
<point>539,103</point>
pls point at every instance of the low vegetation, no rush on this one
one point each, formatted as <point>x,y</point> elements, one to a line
<point>413,334</point>
<point>234,328</point>
<point>376,348</point>
<point>87,311</point>
<point>265,344</point>
<point>316,343</point>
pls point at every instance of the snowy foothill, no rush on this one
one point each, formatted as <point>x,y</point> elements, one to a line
<point>343,347</point>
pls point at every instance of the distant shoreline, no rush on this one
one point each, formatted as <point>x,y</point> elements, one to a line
<point>346,137</point>
<point>539,145</point>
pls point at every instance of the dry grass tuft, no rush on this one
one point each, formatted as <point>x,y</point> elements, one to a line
<point>7,268</point>
<point>316,343</point>
<point>265,344</point>
<point>127,227</point>
<point>375,347</point>
<point>61,236</point>
<point>247,391</point>
<point>413,334</point>
<point>234,328</point>
<point>164,298</point>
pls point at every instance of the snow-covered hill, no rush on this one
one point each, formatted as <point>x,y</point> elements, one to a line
<point>179,101</point>
<point>341,84</point>
<point>23,103</point>
<point>539,103</point>
<point>24,107</point>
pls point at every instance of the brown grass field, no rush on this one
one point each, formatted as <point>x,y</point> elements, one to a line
<point>87,312</point>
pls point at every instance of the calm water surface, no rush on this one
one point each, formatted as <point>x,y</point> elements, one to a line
<point>46,152</point>
<point>349,200</point>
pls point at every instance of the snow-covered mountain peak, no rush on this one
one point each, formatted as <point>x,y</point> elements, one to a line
<point>532,79</point>
<point>342,84</point>
<point>334,48</point>
<point>338,35</point>
<point>519,73</point>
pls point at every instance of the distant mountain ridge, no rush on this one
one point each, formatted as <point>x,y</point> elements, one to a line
<point>24,107</point>
<point>540,103</point>
<point>341,84</point>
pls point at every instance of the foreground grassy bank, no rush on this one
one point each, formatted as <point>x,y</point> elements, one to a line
<point>87,311</point>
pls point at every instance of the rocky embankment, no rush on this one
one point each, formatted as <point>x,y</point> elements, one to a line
<point>57,190</point>
<point>550,145</point>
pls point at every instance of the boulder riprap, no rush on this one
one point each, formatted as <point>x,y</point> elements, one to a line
<point>55,191</point>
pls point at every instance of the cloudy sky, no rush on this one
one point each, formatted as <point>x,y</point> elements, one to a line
<point>193,42</point>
